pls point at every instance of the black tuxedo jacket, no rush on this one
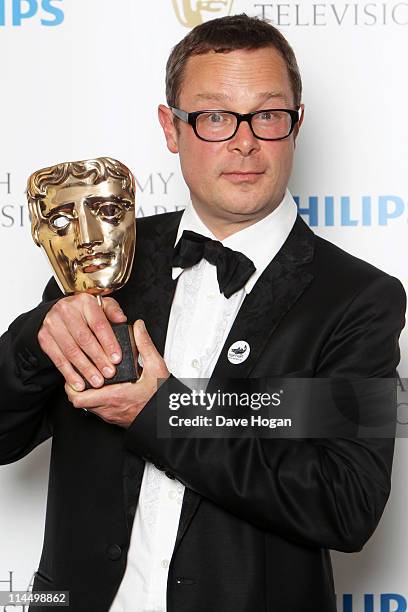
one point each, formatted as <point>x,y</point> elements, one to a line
<point>258,516</point>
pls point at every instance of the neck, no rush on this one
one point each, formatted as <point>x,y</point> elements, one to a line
<point>224,226</point>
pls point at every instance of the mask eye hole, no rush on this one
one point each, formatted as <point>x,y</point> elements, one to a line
<point>109,210</point>
<point>60,222</point>
<point>112,212</point>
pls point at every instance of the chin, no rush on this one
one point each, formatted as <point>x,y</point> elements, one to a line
<point>251,209</point>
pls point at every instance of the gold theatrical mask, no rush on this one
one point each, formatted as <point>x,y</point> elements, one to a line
<point>83,216</point>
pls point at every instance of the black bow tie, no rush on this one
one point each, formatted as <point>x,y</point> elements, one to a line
<point>233,267</point>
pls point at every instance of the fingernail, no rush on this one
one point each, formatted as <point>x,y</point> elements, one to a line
<point>142,326</point>
<point>115,357</point>
<point>108,372</point>
<point>96,380</point>
<point>78,386</point>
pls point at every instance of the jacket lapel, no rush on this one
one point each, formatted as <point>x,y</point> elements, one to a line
<point>148,295</point>
<point>150,290</point>
<point>278,288</point>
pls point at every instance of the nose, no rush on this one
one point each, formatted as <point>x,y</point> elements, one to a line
<point>244,141</point>
<point>89,230</point>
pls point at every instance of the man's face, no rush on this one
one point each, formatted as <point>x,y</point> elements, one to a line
<point>88,234</point>
<point>243,179</point>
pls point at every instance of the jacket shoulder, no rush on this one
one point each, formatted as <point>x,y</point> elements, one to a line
<point>343,267</point>
<point>153,224</point>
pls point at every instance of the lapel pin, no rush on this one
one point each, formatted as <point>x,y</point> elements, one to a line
<point>239,351</point>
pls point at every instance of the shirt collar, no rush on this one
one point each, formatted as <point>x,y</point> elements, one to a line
<point>260,241</point>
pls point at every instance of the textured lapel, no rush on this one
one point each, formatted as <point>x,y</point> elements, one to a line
<point>148,295</point>
<point>150,290</point>
<point>278,288</point>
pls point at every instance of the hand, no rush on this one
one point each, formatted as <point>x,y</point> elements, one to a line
<point>77,333</point>
<point>120,404</point>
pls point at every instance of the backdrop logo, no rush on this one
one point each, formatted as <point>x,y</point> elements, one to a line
<point>370,602</point>
<point>348,211</point>
<point>191,13</point>
<point>18,12</point>
<point>331,14</point>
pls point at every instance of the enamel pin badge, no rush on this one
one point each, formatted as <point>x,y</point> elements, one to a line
<point>238,352</point>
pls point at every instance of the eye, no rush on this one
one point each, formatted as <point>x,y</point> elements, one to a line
<point>267,116</point>
<point>59,222</point>
<point>215,118</point>
<point>270,116</point>
<point>110,211</point>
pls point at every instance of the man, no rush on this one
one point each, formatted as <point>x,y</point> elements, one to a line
<point>135,522</point>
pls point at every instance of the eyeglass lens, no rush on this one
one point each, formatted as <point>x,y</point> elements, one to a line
<point>265,124</point>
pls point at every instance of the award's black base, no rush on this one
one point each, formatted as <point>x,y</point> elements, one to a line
<point>127,370</point>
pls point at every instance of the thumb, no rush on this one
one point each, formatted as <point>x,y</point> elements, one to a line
<point>144,343</point>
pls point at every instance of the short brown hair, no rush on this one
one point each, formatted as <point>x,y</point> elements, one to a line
<point>227,34</point>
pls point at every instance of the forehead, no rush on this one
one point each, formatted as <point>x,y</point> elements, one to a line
<point>76,192</point>
<point>242,75</point>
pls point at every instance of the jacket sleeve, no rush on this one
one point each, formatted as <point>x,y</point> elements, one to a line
<point>28,380</point>
<point>326,492</point>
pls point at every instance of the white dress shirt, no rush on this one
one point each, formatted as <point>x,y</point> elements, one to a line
<point>200,320</point>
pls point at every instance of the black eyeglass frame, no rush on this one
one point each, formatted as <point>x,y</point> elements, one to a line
<point>191,119</point>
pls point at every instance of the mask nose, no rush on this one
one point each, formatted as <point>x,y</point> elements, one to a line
<point>89,229</point>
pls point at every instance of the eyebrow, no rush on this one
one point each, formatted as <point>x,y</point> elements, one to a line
<point>91,200</point>
<point>112,198</point>
<point>65,206</point>
<point>220,97</point>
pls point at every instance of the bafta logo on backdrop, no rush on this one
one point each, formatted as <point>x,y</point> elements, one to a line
<point>191,13</point>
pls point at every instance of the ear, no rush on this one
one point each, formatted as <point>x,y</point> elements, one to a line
<point>299,123</point>
<point>166,119</point>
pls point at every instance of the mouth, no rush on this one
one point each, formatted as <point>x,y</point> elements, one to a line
<point>239,176</point>
<point>94,262</point>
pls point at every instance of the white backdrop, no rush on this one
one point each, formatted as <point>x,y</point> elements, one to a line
<point>83,78</point>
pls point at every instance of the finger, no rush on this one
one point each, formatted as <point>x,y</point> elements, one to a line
<point>93,398</point>
<point>51,348</point>
<point>113,311</point>
<point>72,351</point>
<point>71,393</point>
<point>69,313</point>
<point>90,328</point>
<point>102,329</point>
<point>86,340</point>
<point>76,398</point>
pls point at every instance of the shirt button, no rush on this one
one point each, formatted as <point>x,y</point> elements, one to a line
<point>211,296</point>
<point>172,494</point>
<point>195,364</point>
<point>164,564</point>
<point>114,552</point>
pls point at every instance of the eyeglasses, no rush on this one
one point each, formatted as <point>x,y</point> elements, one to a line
<point>219,125</point>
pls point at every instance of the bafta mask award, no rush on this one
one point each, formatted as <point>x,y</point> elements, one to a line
<point>83,217</point>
